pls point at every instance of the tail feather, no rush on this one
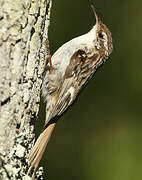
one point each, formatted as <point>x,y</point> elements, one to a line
<point>39,148</point>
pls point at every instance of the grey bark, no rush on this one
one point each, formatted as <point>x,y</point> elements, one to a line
<point>23,31</point>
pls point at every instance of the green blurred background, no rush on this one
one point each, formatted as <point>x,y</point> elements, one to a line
<point>100,137</point>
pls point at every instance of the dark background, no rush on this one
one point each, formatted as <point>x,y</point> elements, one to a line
<point>100,137</point>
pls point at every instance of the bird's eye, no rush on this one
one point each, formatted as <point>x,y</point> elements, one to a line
<point>100,35</point>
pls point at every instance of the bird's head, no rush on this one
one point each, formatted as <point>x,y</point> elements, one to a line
<point>103,37</point>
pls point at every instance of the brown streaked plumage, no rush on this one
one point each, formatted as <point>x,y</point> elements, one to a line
<point>73,64</point>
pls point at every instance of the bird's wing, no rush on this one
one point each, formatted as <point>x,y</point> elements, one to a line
<point>69,87</point>
<point>64,99</point>
<point>76,75</point>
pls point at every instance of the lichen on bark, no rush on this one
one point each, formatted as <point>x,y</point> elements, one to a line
<point>23,31</point>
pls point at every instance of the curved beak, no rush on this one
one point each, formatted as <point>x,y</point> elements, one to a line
<point>96,15</point>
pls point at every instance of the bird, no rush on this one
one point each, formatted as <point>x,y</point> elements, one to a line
<point>73,64</point>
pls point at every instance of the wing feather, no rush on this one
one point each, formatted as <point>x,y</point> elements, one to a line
<point>76,75</point>
<point>64,99</point>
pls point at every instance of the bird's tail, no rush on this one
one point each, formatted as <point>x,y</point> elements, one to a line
<point>39,148</point>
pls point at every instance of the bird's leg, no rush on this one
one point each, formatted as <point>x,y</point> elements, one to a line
<point>48,57</point>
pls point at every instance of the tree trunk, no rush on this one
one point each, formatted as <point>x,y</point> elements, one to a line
<point>23,32</point>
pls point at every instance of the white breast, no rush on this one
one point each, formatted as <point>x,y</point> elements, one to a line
<point>61,58</point>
